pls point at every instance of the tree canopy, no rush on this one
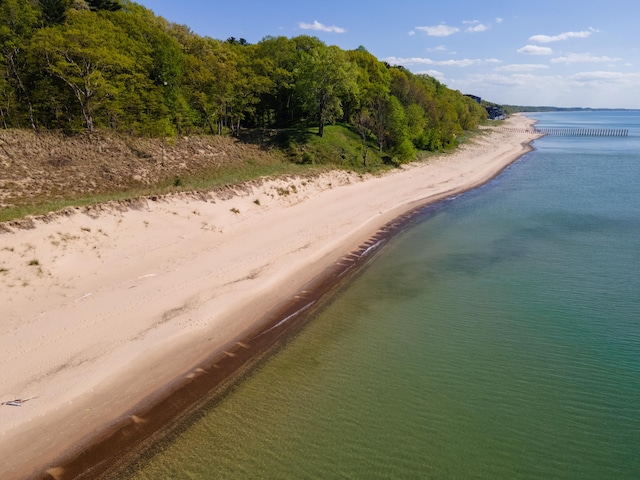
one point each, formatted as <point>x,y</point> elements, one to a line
<point>80,65</point>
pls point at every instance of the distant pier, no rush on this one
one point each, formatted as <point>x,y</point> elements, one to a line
<point>570,132</point>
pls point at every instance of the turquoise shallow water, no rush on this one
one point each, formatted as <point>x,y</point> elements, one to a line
<point>497,338</point>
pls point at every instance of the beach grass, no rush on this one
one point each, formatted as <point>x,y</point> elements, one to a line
<point>305,154</point>
<point>203,181</point>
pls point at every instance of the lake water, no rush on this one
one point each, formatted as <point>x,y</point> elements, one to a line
<point>497,338</point>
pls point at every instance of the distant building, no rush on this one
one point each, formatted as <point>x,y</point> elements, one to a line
<point>495,113</point>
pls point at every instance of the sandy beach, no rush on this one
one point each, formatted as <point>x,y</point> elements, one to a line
<point>104,307</point>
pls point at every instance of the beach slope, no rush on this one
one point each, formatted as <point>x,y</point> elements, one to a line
<point>103,307</point>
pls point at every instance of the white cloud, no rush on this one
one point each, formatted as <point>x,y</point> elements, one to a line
<point>562,36</point>
<point>535,50</point>
<point>606,78</point>
<point>477,28</point>
<point>499,20</point>
<point>408,61</point>
<point>583,58</point>
<point>439,48</point>
<point>466,62</point>
<point>597,76</point>
<point>598,89</point>
<point>433,73</point>
<point>412,33</point>
<point>514,89</point>
<point>484,81</point>
<point>439,30</point>
<point>521,67</point>
<point>321,27</point>
<point>443,63</point>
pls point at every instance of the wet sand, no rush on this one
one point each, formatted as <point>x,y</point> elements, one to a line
<point>121,318</point>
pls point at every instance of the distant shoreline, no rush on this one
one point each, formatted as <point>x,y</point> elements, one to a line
<point>572,109</point>
<point>181,300</point>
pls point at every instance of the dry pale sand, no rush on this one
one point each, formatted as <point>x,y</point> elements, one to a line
<point>103,307</point>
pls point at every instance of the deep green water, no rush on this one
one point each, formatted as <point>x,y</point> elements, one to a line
<point>498,338</point>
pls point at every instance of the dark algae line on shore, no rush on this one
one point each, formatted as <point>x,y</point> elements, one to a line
<point>497,339</point>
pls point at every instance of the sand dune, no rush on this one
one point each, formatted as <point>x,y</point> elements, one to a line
<point>102,307</point>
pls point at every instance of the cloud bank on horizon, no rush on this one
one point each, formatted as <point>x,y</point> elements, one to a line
<point>565,54</point>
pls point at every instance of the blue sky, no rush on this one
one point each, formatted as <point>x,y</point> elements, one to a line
<point>561,53</point>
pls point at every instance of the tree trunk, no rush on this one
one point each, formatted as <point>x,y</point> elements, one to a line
<point>4,120</point>
<point>88,119</point>
<point>14,73</point>
<point>83,95</point>
<point>208,119</point>
<point>320,120</point>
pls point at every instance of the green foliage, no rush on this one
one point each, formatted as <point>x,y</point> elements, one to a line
<point>79,65</point>
<point>339,147</point>
<point>18,20</point>
<point>54,11</point>
<point>323,77</point>
<point>404,151</point>
<point>109,5</point>
<point>85,55</point>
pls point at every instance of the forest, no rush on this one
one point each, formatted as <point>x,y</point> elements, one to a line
<point>77,66</point>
